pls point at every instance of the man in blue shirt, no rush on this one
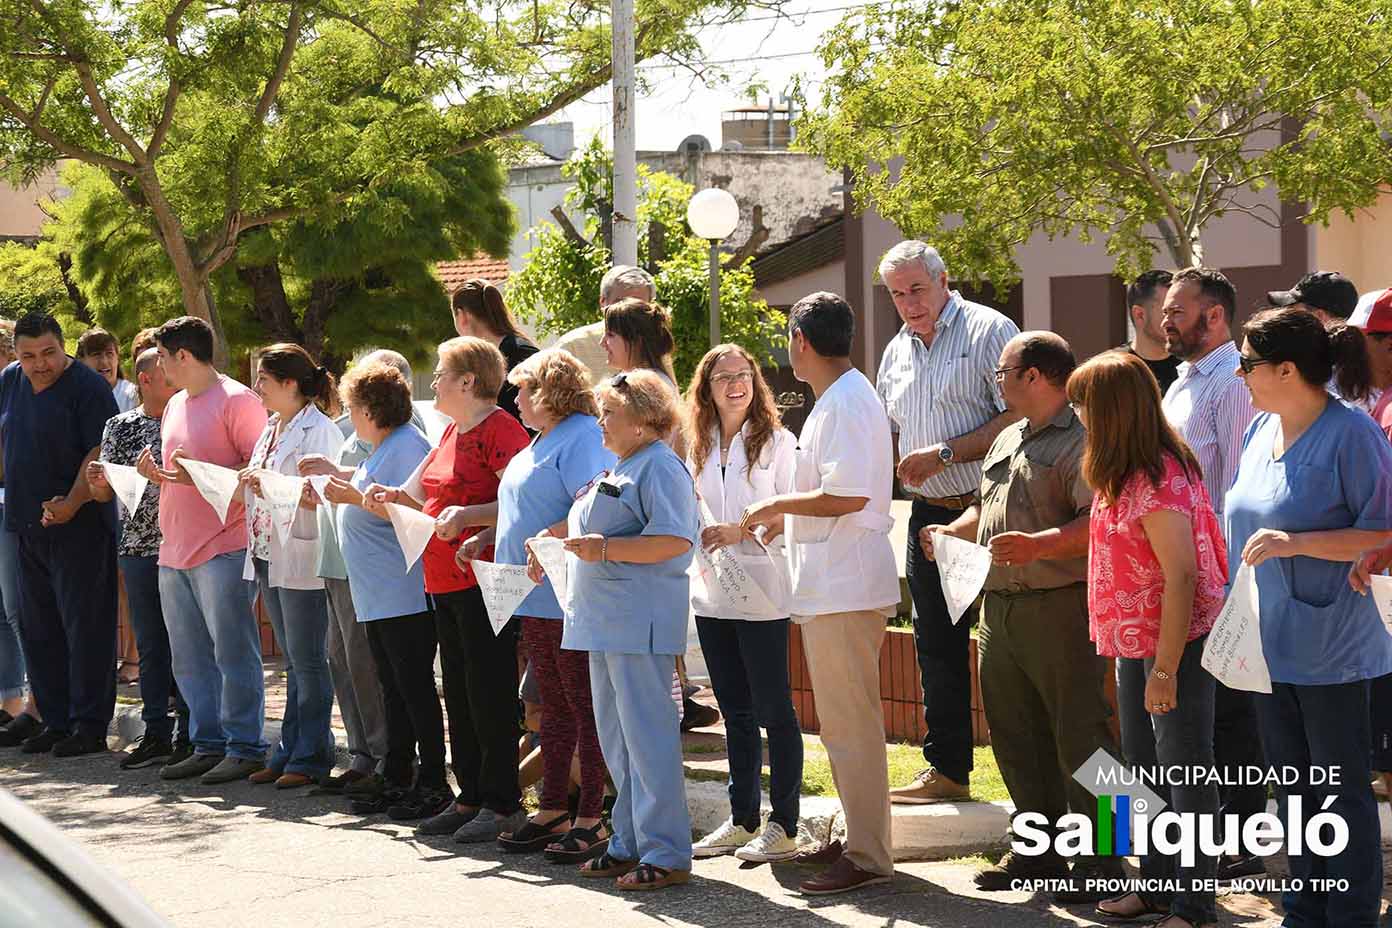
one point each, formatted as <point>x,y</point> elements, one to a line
<point>52,413</point>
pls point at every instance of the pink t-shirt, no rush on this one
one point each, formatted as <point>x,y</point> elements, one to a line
<point>1125,582</point>
<point>220,426</point>
<point>1382,412</point>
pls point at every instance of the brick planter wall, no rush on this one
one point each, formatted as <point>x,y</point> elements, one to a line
<point>901,694</point>
<point>125,635</point>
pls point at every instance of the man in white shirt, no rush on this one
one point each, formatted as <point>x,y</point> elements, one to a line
<point>844,581</point>
<point>1210,407</point>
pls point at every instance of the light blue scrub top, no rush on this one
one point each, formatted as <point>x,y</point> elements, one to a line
<point>377,576</point>
<point>539,486</point>
<point>634,608</point>
<point>1315,628</point>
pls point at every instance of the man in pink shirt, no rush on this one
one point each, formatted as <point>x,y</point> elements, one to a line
<point>213,638</point>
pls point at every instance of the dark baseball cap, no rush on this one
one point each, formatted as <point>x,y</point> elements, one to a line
<point>1327,290</point>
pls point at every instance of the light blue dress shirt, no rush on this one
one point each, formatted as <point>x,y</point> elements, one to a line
<point>634,608</point>
<point>1315,629</point>
<point>377,576</point>
<point>539,486</point>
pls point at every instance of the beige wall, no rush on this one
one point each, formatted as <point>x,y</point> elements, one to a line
<point>830,276</point>
<point>1358,247</point>
<point>19,207</point>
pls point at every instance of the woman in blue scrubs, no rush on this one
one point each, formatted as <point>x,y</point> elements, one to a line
<point>1313,492</point>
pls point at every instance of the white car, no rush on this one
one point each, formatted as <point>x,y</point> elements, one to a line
<point>50,881</point>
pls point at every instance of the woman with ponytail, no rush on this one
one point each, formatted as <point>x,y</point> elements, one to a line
<point>1313,493</point>
<point>479,311</point>
<point>294,390</point>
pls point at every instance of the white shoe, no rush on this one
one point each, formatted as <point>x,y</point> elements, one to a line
<point>772,843</point>
<point>726,839</point>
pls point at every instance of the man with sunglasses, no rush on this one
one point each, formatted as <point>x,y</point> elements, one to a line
<point>1210,407</point>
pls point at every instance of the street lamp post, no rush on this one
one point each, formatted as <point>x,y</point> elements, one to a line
<point>713,215</point>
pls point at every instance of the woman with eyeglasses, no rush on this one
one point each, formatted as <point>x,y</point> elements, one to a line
<point>480,668</point>
<point>632,534</point>
<point>1156,573</point>
<point>1313,493</point>
<point>740,455</point>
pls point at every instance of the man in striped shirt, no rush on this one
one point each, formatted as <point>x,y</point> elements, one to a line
<point>1210,407</point>
<point>937,381</point>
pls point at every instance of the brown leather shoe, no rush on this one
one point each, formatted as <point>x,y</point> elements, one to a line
<point>824,856</point>
<point>929,786</point>
<point>292,781</point>
<point>263,776</point>
<point>841,877</point>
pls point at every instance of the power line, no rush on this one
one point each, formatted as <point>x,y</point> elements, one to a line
<point>683,67</point>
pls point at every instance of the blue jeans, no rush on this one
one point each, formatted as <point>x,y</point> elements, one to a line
<point>216,651</point>
<point>11,650</point>
<point>641,739</point>
<point>748,664</point>
<point>1183,736</point>
<point>152,643</point>
<point>300,619</point>
<point>1327,727</point>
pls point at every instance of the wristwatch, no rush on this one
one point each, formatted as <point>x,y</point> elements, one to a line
<point>945,454</point>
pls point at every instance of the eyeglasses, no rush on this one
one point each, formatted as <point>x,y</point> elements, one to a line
<point>726,380</point>
<point>1250,364</point>
<point>1002,371</point>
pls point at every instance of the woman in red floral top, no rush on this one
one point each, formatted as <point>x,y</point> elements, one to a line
<point>1156,573</point>
<point>480,668</point>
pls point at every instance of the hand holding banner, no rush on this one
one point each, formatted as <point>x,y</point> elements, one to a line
<point>1233,652</point>
<point>504,586</point>
<point>962,569</point>
<point>282,493</point>
<point>1382,595</point>
<point>128,484</point>
<point>216,484</point>
<point>414,529</point>
<point>552,555</point>
<point>319,482</point>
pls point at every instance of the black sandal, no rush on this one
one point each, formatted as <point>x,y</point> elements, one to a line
<point>651,876</point>
<point>576,845</point>
<point>1148,909</point>
<point>532,836</point>
<point>604,865</point>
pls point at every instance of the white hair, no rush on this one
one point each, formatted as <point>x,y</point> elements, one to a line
<point>390,358</point>
<point>628,280</point>
<point>912,252</point>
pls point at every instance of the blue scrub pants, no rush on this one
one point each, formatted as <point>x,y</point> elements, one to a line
<point>640,736</point>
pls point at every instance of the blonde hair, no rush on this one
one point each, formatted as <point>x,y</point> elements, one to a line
<point>468,355</point>
<point>646,395</point>
<point>559,383</point>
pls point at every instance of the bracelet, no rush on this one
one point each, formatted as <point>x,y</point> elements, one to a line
<point>1160,674</point>
<point>604,550</point>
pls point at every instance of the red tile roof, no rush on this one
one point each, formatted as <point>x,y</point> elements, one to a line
<point>453,274</point>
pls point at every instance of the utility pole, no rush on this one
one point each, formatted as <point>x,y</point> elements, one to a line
<point>625,137</point>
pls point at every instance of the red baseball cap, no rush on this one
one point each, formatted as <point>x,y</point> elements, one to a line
<point>1379,312</point>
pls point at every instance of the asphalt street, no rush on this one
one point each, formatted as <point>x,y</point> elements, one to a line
<point>252,856</point>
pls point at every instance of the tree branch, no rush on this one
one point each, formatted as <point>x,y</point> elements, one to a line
<point>171,94</point>
<point>49,138</point>
<point>568,227</point>
<point>282,67</point>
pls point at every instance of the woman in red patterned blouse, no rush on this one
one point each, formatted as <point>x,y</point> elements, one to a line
<point>480,669</point>
<point>1156,572</point>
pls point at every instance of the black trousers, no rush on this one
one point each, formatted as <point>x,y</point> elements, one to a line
<point>1237,744</point>
<point>67,622</point>
<point>481,698</point>
<point>403,648</point>
<point>943,656</point>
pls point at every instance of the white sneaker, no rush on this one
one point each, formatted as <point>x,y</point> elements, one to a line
<point>772,843</point>
<point>726,839</point>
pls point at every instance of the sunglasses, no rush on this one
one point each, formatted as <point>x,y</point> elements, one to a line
<point>1250,364</point>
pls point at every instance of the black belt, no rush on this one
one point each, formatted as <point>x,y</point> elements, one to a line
<point>957,503</point>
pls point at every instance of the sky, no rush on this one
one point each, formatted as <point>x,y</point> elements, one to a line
<point>761,48</point>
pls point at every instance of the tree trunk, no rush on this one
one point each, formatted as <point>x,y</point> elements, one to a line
<point>81,310</point>
<point>324,295</point>
<point>269,302</point>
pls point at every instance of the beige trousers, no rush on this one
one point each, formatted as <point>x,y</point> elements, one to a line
<point>843,657</point>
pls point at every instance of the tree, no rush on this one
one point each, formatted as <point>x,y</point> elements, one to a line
<point>216,118</point>
<point>980,122</point>
<point>33,279</point>
<point>558,289</point>
<point>333,286</point>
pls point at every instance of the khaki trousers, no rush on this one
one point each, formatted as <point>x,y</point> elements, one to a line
<point>843,657</point>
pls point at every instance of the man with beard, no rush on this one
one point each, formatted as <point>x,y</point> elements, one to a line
<point>1145,299</point>
<point>1210,406</point>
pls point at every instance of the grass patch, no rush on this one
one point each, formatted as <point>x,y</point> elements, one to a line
<point>905,761</point>
<point>705,747</point>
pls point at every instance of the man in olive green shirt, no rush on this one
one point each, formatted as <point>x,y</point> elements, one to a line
<point>1041,677</point>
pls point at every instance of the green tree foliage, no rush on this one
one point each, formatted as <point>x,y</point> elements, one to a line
<point>217,118</point>
<point>558,289</point>
<point>980,122</point>
<point>337,285</point>
<point>32,281</point>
